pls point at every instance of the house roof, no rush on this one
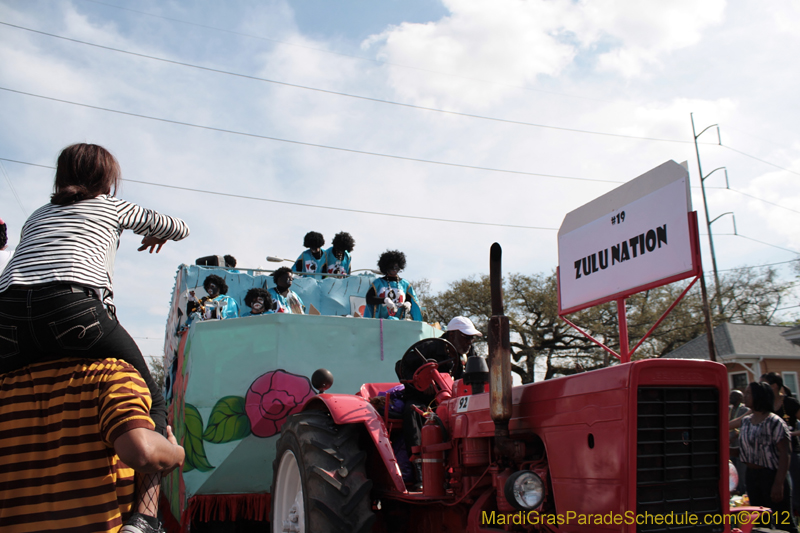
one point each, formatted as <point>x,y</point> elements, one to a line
<point>736,341</point>
<point>792,333</point>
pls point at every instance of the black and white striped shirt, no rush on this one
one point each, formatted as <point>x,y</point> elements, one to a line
<point>758,443</point>
<point>77,243</point>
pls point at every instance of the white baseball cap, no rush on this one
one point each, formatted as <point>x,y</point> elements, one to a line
<point>464,325</point>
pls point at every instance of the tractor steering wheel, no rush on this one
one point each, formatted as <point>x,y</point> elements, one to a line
<point>423,376</point>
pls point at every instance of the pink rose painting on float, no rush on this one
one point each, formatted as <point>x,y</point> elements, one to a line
<point>272,398</point>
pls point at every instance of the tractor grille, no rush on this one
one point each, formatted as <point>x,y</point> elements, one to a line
<point>677,456</point>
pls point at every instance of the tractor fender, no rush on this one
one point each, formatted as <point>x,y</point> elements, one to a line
<point>349,409</point>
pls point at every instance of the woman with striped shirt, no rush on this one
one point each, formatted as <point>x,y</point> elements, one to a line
<point>764,446</point>
<point>56,292</point>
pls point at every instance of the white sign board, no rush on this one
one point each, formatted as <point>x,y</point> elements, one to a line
<point>633,236</point>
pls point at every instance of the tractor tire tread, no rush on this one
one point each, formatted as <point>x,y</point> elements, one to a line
<point>330,453</point>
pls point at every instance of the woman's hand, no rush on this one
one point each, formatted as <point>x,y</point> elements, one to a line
<point>151,242</point>
<point>777,492</point>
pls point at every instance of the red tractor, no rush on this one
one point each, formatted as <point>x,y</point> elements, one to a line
<point>640,446</point>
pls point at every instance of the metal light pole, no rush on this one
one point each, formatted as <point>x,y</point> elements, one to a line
<point>273,259</point>
<point>705,204</point>
<point>732,216</point>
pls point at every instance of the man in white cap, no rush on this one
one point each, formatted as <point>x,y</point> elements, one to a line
<point>461,332</point>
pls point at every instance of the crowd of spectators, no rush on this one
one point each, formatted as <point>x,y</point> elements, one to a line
<point>766,438</point>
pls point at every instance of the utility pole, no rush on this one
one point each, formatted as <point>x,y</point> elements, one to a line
<point>705,204</point>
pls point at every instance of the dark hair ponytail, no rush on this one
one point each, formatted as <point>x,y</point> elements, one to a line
<point>84,171</point>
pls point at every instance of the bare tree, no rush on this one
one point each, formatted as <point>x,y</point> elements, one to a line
<point>539,336</point>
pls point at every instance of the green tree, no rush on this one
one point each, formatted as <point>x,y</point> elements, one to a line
<point>539,336</point>
<point>156,365</point>
<point>536,331</point>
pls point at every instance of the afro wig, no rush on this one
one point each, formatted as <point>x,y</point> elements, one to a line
<point>230,261</point>
<point>389,258</point>
<point>258,292</point>
<point>280,272</point>
<point>343,241</point>
<point>313,240</point>
<point>216,280</point>
<point>3,235</point>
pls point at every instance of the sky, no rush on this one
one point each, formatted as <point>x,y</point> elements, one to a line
<point>502,115</point>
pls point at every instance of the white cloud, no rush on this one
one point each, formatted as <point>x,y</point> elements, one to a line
<point>512,42</point>
<point>508,42</point>
<point>691,58</point>
<point>642,31</point>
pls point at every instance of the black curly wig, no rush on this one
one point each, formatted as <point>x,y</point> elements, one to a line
<point>389,258</point>
<point>3,235</point>
<point>230,261</point>
<point>343,241</point>
<point>313,240</point>
<point>280,272</point>
<point>257,292</point>
<point>216,280</point>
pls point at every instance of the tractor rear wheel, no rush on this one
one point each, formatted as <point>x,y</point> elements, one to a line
<point>319,482</point>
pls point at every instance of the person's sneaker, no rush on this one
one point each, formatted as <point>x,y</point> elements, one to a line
<point>138,524</point>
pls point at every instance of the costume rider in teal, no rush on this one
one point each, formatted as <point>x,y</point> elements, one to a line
<point>216,305</point>
<point>284,299</point>
<point>259,301</point>
<point>310,261</point>
<point>391,296</point>
<point>337,257</point>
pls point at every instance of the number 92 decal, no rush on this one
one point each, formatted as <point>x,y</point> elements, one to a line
<point>463,404</point>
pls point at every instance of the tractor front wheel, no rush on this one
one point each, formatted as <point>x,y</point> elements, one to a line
<point>319,482</point>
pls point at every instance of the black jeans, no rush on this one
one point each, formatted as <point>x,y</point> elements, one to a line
<point>759,490</point>
<point>47,322</point>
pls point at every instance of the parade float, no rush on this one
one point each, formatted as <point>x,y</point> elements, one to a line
<point>231,384</point>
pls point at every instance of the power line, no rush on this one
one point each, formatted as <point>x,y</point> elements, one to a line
<point>759,159</point>
<point>588,179</point>
<point>753,197</point>
<point>347,95</point>
<point>350,56</point>
<point>315,206</point>
<point>387,102</point>
<point>338,208</point>
<point>756,240</point>
<point>13,190</point>
<point>302,143</point>
<point>299,204</point>
<point>367,98</point>
<point>759,266</point>
<point>27,163</point>
<point>749,134</point>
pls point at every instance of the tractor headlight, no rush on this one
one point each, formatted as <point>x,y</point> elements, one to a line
<point>524,490</point>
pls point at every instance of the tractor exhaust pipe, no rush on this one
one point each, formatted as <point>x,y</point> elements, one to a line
<point>499,349</point>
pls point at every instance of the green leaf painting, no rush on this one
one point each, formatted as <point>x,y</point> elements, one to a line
<point>193,443</point>
<point>228,421</point>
